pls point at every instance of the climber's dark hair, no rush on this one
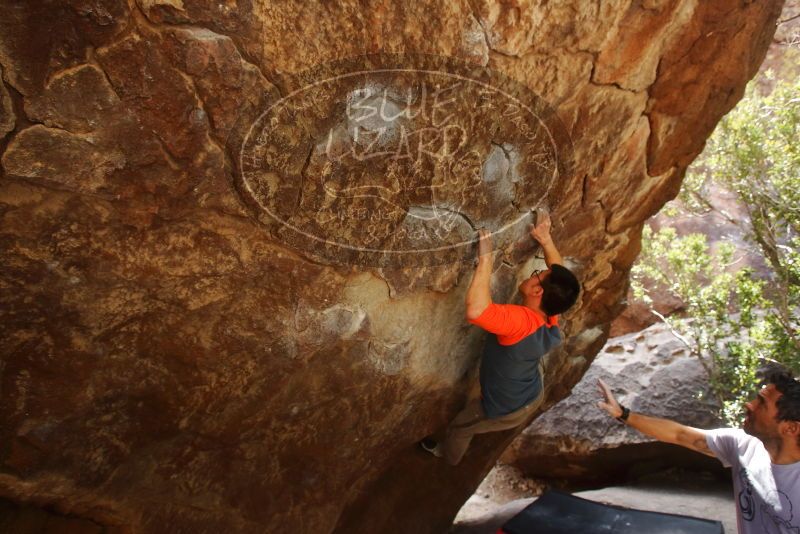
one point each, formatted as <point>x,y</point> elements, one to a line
<point>789,402</point>
<point>561,290</point>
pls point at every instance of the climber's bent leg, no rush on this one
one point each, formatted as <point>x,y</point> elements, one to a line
<point>472,420</point>
<point>459,434</point>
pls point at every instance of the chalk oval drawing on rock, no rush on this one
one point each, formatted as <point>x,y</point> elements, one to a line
<point>395,160</point>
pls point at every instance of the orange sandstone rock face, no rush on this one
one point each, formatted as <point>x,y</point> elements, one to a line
<point>173,360</point>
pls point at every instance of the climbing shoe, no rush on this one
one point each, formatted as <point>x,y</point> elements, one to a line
<point>431,446</point>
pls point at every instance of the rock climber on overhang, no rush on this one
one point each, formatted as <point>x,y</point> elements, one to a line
<point>511,373</point>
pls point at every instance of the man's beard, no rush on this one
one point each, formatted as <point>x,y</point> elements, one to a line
<point>766,437</point>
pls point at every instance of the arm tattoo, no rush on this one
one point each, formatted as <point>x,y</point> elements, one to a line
<point>701,445</point>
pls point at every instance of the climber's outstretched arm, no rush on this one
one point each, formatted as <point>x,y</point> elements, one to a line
<point>479,294</point>
<point>541,233</point>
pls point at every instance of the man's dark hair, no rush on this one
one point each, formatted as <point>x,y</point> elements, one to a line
<point>561,290</point>
<point>789,402</point>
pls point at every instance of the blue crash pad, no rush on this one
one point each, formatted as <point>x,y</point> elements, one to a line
<point>556,512</point>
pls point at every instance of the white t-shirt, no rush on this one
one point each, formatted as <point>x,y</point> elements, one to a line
<point>767,495</point>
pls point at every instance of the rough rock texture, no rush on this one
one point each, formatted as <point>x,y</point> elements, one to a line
<point>783,62</point>
<point>651,372</point>
<point>171,363</point>
<point>7,118</point>
<point>637,315</point>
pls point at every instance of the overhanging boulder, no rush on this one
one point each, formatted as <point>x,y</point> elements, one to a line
<point>172,359</point>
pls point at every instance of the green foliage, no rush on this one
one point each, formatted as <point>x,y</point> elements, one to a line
<point>722,308</point>
<point>733,320</point>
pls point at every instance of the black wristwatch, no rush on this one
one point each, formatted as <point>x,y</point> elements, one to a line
<point>625,413</point>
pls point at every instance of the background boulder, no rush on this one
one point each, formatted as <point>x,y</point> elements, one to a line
<point>651,372</point>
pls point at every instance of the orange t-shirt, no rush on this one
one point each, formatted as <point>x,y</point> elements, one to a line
<point>511,322</point>
<point>510,367</point>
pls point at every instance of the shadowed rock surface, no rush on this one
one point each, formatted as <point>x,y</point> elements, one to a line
<point>172,361</point>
